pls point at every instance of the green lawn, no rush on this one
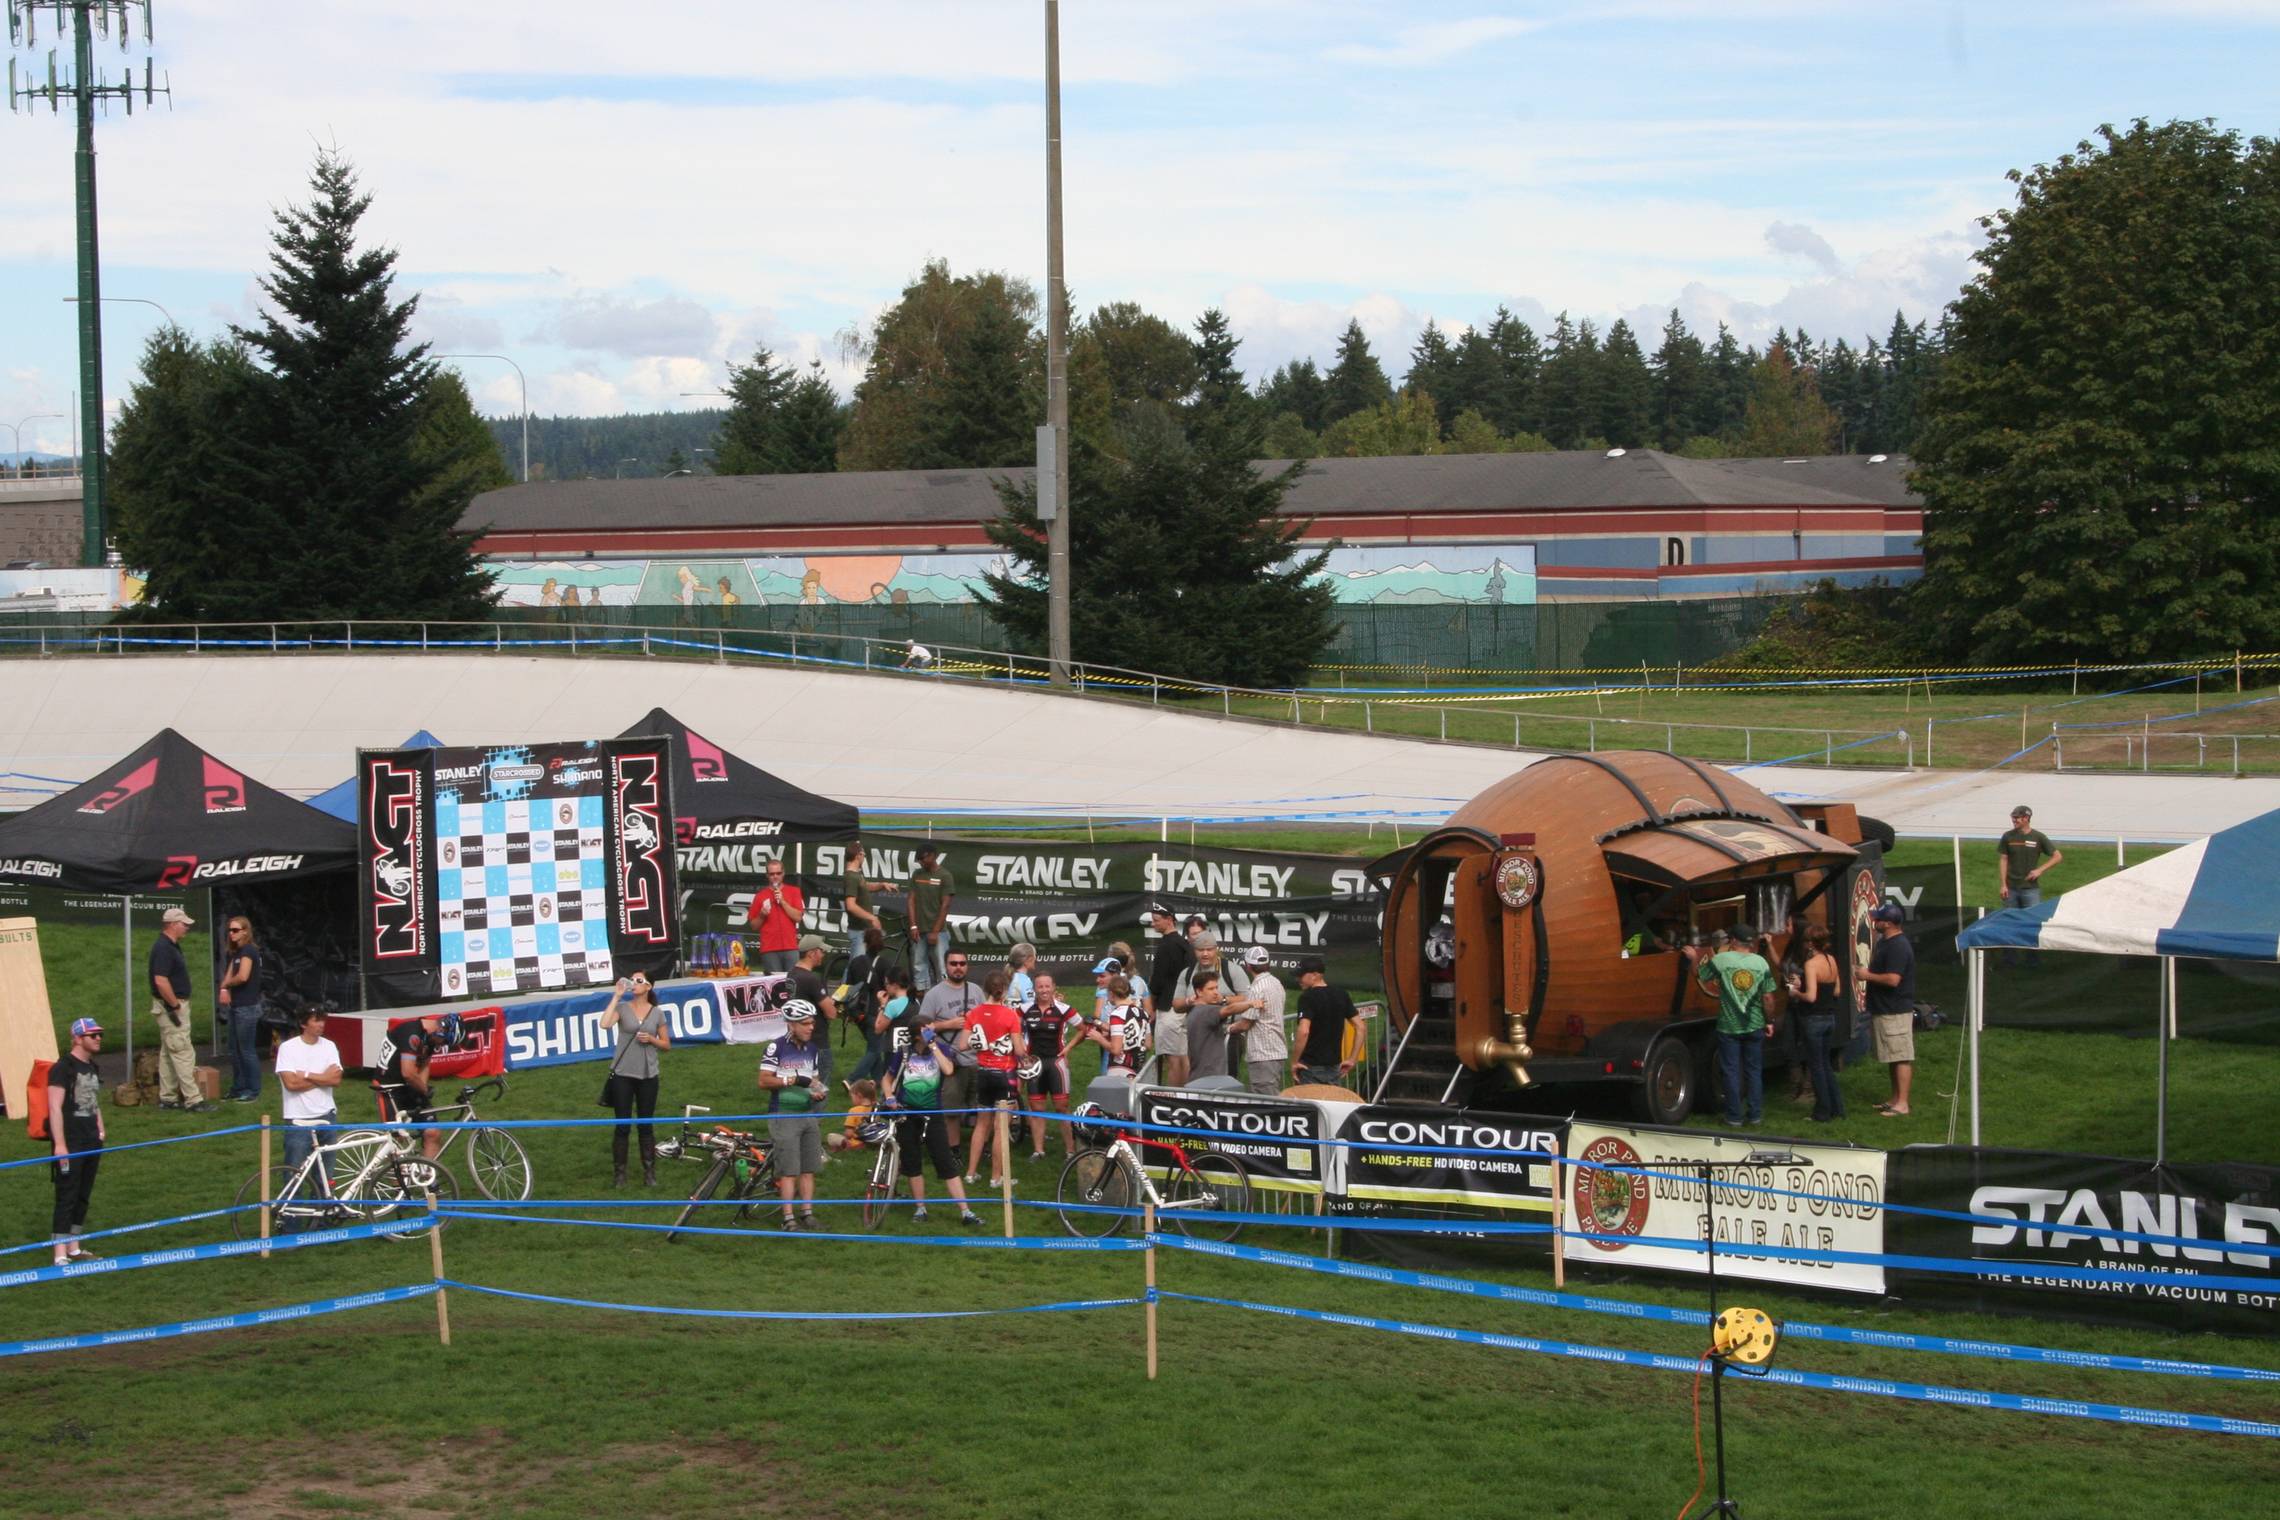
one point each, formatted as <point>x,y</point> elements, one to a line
<point>541,1410</point>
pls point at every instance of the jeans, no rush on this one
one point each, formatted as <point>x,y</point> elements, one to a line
<point>877,1051</point>
<point>245,1051</point>
<point>1828,1098</point>
<point>300,1140</point>
<point>1741,1059</point>
<point>927,953</point>
<point>776,962</point>
<point>2025,896</point>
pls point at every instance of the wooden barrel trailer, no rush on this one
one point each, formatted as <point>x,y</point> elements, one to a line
<point>1534,938</point>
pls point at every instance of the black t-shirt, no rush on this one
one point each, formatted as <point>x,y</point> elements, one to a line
<point>807,984</point>
<point>1173,956</point>
<point>82,1088</point>
<point>166,960</point>
<point>247,995</point>
<point>1893,953</point>
<point>1326,1011</point>
<point>410,1038</point>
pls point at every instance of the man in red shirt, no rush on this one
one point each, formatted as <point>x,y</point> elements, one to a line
<point>993,1033</point>
<point>776,910</point>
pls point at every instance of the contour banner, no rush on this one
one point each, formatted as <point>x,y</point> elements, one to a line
<point>1845,1213</point>
<point>492,872</point>
<point>1385,1159</point>
<point>2041,1207</point>
<point>1278,1140</point>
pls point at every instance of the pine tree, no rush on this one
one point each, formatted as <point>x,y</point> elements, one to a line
<point>1727,395</point>
<point>1622,389</point>
<point>372,534</point>
<point>1356,383</point>
<point>987,410</point>
<point>1514,404</point>
<point>1567,382</point>
<point>1295,388</point>
<point>1432,365</point>
<point>812,420</point>
<point>1218,383</point>
<point>752,434</point>
<point>1680,367</point>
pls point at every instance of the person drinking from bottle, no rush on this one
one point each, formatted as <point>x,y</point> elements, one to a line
<point>632,1083</point>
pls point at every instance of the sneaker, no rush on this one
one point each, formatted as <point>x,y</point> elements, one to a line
<point>807,1222</point>
<point>791,1224</point>
<point>247,1098</point>
<point>85,1256</point>
<point>201,1108</point>
<point>174,1103</point>
<point>919,1214</point>
<point>970,1218</point>
<point>969,1179</point>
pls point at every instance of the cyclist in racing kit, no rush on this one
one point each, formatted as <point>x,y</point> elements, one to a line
<point>403,1083</point>
<point>913,1084</point>
<point>1050,1026</point>
<point>992,1031</point>
<point>1120,1028</point>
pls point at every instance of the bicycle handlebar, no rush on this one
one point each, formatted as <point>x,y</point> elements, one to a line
<point>496,1085</point>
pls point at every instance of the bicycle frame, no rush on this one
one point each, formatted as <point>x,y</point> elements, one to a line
<point>1124,1150</point>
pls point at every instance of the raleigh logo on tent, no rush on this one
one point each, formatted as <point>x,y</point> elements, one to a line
<point>225,788</point>
<point>45,870</point>
<point>134,782</point>
<point>706,759</point>
<point>189,870</point>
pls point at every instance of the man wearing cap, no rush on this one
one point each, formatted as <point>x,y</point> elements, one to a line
<point>2022,856</point>
<point>775,912</point>
<point>931,889</point>
<point>1324,1012</point>
<point>75,1131</point>
<point>807,975</point>
<point>1265,1041</point>
<point>1891,978</point>
<point>796,1076</point>
<point>170,1006</point>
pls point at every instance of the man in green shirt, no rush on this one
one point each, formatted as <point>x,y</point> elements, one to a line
<point>1740,979</point>
<point>2022,855</point>
<point>931,889</point>
<point>855,891</point>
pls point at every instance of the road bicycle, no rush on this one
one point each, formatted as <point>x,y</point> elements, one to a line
<point>884,1132</point>
<point>744,1161</point>
<point>496,1162</point>
<point>1099,1185</point>
<point>360,1177</point>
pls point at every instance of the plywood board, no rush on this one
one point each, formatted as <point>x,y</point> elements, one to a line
<point>27,1025</point>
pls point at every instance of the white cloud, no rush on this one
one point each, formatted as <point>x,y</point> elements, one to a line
<point>1803,242</point>
<point>1436,42</point>
<point>593,322</point>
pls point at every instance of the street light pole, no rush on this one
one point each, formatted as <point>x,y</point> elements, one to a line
<point>17,431</point>
<point>525,383</point>
<point>130,301</point>
<point>1056,367</point>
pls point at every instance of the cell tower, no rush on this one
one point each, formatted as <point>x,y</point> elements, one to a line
<point>84,21</point>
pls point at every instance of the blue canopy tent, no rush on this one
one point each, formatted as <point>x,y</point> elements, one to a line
<point>340,801</point>
<point>2213,900</point>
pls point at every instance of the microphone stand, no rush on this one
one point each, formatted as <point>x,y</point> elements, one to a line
<point>1723,1504</point>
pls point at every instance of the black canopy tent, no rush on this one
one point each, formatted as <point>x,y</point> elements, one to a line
<point>725,805</point>
<point>169,817</point>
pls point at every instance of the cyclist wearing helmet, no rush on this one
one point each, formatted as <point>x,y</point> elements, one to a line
<point>405,1092</point>
<point>993,1033</point>
<point>914,1080</point>
<point>796,1076</point>
<point>1049,1025</point>
<point>1120,1028</point>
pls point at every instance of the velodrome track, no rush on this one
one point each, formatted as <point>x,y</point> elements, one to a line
<point>924,743</point>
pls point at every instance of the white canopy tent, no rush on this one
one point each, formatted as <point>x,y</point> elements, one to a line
<point>2216,899</point>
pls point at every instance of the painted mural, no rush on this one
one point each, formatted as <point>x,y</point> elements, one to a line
<point>1416,573</point>
<point>65,589</point>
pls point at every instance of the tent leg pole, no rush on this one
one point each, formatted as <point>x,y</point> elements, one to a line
<point>1958,843</point>
<point>1977,983</point>
<point>127,978</point>
<point>2168,1006</point>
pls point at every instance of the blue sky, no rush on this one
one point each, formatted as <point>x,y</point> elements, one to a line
<point>623,205</point>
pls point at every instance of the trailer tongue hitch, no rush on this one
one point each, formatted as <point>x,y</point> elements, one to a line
<point>1511,1052</point>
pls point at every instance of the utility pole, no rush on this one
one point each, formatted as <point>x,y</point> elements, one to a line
<point>85,89</point>
<point>1053,441</point>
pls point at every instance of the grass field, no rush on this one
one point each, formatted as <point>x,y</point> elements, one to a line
<point>541,1410</point>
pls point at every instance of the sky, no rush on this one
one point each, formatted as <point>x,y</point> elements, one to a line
<point>623,200</point>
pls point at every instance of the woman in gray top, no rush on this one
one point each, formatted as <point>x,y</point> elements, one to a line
<point>632,1084</point>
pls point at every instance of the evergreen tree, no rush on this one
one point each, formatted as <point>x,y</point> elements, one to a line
<point>986,412</point>
<point>1295,388</point>
<point>455,445</point>
<point>813,419</point>
<point>1727,395</point>
<point>1786,416</point>
<point>1182,560</point>
<point>1356,383</point>
<point>1512,402</point>
<point>1218,383</point>
<point>2096,456</point>
<point>1567,383</point>
<point>1622,389</point>
<point>1681,377</point>
<point>1432,364</point>
<point>752,432</point>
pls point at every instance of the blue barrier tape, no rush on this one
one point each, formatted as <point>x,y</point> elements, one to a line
<point>130,1229</point>
<point>1930,1393</point>
<point>218,1322</point>
<point>1066,1307</point>
<point>986,1242</point>
<point>137,1145</point>
<point>214,1251</point>
<point>1887,1340</point>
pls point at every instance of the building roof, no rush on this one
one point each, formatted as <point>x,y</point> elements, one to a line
<point>1573,480</point>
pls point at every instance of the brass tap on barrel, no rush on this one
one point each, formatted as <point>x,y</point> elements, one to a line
<point>1511,1052</point>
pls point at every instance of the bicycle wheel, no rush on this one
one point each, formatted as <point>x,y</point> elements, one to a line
<point>704,1192</point>
<point>1228,1185</point>
<point>246,1222</point>
<point>498,1165</point>
<point>415,1178</point>
<point>1093,1182</point>
<point>879,1197</point>
<point>361,1175</point>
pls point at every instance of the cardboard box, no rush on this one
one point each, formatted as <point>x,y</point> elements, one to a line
<point>210,1084</point>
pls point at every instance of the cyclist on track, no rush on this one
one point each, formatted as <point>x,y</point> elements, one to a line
<point>914,1080</point>
<point>405,1092</point>
<point>1050,1025</point>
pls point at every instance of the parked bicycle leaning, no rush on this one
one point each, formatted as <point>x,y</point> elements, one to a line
<point>631,1087</point>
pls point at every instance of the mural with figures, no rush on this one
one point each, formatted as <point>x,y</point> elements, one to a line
<point>1401,573</point>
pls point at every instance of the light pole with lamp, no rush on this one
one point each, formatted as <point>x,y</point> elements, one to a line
<point>519,376</point>
<point>130,301</point>
<point>17,431</point>
<point>621,464</point>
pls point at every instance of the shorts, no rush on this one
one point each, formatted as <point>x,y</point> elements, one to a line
<point>1052,1080</point>
<point>798,1142</point>
<point>922,1135</point>
<point>1895,1036</point>
<point>403,1106</point>
<point>1171,1033</point>
<point>994,1085</point>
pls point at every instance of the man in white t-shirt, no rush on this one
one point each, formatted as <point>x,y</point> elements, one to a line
<point>1265,1045</point>
<point>308,1068</point>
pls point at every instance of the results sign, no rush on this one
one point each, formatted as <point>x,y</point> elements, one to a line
<point>1609,1211</point>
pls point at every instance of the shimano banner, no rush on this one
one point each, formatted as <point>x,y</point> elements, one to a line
<point>558,1031</point>
<point>2043,1209</point>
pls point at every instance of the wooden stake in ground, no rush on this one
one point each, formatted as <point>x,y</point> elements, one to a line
<point>1148,1233</point>
<point>1005,1166</point>
<point>265,1187</point>
<point>1559,1224</point>
<point>435,1256</point>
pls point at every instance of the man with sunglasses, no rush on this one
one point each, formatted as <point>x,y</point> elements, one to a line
<point>75,1130</point>
<point>944,1010</point>
<point>240,997</point>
